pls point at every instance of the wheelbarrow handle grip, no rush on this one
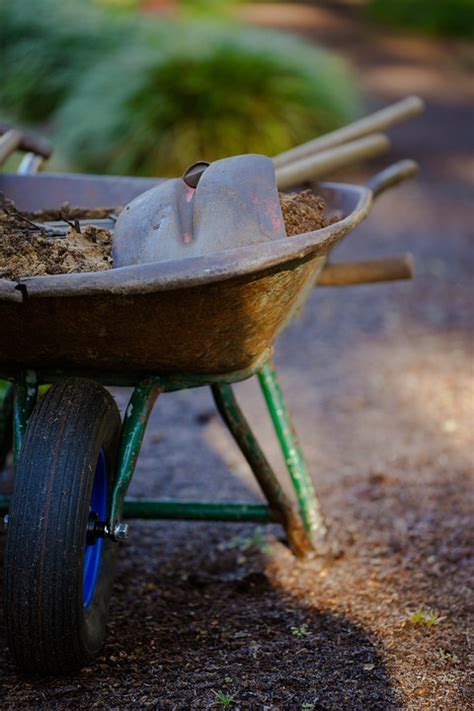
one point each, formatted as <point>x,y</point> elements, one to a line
<point>28,141</point>
<point>9,143</point>
<point>391,176</point>
<point>367,272</point>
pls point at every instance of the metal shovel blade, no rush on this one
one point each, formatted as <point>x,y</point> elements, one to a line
<point>235,203</point>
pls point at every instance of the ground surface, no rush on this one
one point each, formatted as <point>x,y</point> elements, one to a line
<point>379,380</point>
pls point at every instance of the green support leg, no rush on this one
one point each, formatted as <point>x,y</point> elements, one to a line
<point>309,505</point>
<point>7,399</point>
<point>133,428</point>
<point>280,505</point>
<point>26,392</point>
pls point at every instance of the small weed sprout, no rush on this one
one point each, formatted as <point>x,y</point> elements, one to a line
<point>256,541</point>
<point>427,618</point>
<point>301,631</point>
<point>446,656</point>
<point>307,707</point>
<point>222,698</point>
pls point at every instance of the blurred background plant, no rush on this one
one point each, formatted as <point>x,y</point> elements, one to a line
<point>122,92</point>
<point>191,91</point>
<point>434,17</point>
<point>47,45</point>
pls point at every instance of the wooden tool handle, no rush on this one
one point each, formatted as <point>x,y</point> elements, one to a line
<point>319,165</point>
<point>367,272</point>
<point>378,121</point>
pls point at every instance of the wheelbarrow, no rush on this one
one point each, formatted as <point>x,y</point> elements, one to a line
<point>208,320</point>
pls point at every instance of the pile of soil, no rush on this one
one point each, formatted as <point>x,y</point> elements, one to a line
<point>303,212</point>
<point>26,250</point>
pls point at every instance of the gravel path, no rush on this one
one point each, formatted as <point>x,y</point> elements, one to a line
<point>379,380</point>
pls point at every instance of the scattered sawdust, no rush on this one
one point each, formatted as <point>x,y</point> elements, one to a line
<point>303,212</point>
<point>26,252</point>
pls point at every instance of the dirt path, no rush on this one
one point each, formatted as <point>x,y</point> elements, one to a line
<point>380,384</point>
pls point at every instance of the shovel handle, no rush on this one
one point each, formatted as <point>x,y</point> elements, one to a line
<point>379,121</point>
<point>391,176</point>
<point>321,164</point>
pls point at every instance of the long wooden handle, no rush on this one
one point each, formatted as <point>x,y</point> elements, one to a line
<point>367,272</point>
<point>378,121</point>
<point>319,165</point>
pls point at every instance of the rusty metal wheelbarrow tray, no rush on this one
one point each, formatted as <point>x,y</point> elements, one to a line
<point>215,314</point>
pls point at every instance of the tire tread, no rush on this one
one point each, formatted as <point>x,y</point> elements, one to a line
<point>49,505</point>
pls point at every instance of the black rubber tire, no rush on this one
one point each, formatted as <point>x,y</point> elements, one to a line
<point>48,629</point>
<point>6,424</point>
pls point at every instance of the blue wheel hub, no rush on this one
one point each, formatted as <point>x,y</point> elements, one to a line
<point>95,549</point>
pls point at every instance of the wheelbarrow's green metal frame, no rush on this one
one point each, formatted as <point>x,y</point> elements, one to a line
<point>305,527</point>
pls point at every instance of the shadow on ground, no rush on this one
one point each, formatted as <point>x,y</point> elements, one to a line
<point>192,617</point>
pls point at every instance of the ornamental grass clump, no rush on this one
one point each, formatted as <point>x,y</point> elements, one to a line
<point>47,45</point>
<point>138,94</point>
<point>197,91</point>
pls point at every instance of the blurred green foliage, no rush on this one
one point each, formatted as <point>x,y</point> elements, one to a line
<point>435,17</point>
<point>47,45</point>
<point>141,95</point>
<point>202,91</point>
<point>209,8</point>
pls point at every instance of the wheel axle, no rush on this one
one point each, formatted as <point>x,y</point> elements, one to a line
<point>95,529</point>
<point>99,529</point>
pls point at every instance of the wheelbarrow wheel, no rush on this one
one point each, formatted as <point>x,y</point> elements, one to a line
<point>58,571</point>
